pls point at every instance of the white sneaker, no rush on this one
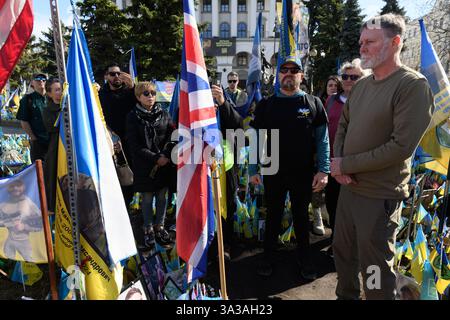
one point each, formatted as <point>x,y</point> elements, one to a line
<point>318,227</point>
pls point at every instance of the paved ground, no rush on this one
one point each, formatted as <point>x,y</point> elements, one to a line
<point>285,282</point>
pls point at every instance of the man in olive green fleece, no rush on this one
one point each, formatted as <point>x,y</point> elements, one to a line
<point>382,122</point>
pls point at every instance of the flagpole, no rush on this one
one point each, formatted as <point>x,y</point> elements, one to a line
<point>67,121</point>
<point>217,196</point>
<point>445,211</point>
<point>47,230</point>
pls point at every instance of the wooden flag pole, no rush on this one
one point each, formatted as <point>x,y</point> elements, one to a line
<point>47,230</point>
<point>217,195</point>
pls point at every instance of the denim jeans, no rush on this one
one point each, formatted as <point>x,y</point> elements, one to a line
<point>161,205</point>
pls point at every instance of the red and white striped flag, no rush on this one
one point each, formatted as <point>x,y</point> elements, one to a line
<point>197,119</point>
<point>16,26</point>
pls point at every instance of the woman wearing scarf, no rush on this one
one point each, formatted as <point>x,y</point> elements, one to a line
<point>148,132</point>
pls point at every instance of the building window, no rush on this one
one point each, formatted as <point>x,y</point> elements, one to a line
<point>207,34</point>
<point>207,6</point>
<point>242,5</point>
<point>242,30</point>
<point>263,29</point>
<point>224,6</point>
<point>224,30</point>
<point>242,59</point>
<point>260,5</point>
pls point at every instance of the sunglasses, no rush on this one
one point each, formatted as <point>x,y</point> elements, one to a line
<point>40,79</point>
<point>293,70</point>
<point>113,74</point>
<point>147,93</point>
<point>232,81</point>
<point>352,77</point>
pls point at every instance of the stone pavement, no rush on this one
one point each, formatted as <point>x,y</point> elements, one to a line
<point>285,282</point>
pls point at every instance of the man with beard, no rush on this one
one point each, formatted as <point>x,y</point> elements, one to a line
<point>303,162</point>
<point>117,99</point>
<point>382,122</point>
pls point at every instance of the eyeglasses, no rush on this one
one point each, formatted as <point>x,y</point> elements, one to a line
<point>147,93</point>
<point>352,77</point>
<point>293,70</point>
<point>232,81</point>
<point>40,79</point>
<point>113,74</point>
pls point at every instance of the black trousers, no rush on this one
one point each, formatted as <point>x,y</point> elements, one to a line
<point>275,191</point>
<point>38,150</point>
<point>331,199</point>
<point>227,225</point>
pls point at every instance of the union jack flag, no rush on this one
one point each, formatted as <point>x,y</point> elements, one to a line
<point>197,116</point>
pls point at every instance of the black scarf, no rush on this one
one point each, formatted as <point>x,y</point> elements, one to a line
<point>151,120</point>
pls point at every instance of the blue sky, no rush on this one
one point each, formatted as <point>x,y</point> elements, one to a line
<point>369,8</point>
<point>414,8</point>
<point>42,14</point>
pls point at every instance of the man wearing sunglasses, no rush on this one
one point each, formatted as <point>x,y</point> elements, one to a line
<point>117,99</point>
<point>303,168</point>
<point>30,116</point>
<point>238,96</point>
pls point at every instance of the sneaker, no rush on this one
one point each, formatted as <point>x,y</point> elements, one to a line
<point>264,269</point>
<point>149,238</point>
<point>318,227</point>
<point>163,237</point>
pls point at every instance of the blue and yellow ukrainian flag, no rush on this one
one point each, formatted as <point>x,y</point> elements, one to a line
<point>288,47</point>
<point>433,142</point>
<point>133,69</point>
<point>106,236</point>
<point>420,255</point>
<point>441,267</point>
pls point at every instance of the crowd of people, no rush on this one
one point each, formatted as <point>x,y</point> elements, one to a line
<point>353,144</point>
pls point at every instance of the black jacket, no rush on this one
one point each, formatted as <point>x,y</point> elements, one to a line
<point>116,104</point>
<point>146,146</point>
<point>49,116</point>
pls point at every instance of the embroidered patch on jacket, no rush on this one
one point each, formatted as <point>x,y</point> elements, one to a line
<point>303,112</point>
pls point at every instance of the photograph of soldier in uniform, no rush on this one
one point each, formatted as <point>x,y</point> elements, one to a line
<point>20,216</point>
<point>89,215</point>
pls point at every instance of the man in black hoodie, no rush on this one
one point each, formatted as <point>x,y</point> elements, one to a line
<point>117,99</point>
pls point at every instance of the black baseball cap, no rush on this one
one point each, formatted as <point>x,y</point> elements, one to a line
<point>39,75</point>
